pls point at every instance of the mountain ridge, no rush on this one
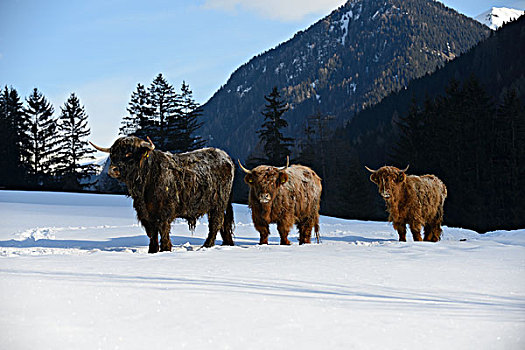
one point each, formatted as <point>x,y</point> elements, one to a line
<point>342,63</point>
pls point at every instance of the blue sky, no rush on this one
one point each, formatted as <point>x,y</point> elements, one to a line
<point>101,49</point>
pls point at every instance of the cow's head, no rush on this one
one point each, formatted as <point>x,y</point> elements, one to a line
<point>388,179</point>
<point>126,154</point>
<point>264,181</point>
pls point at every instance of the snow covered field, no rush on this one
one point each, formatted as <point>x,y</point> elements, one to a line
<point>75,274</point>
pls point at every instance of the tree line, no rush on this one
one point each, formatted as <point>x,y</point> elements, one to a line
<point>474,143</point>
<point>476,146</point>
<point>168,117</point>
<point>42,150</point>
<point>471,141</point>
<point>39,150</point>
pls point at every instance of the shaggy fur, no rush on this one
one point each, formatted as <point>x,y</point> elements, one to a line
<point>166,186</point>
<point>414,200</point>
<point>286,197</point>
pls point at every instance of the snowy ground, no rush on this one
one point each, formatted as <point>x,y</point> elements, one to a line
<point>75,274</point>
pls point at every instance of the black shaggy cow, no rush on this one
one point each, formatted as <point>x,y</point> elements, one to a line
<point>166,186</point>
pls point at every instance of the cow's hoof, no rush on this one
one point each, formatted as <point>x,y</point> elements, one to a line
<point>165,249</point>
<point>208,244</point>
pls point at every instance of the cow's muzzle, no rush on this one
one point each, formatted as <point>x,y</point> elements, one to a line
<point>264,198</point>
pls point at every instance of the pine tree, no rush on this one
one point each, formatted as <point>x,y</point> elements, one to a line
<point>165,107</point>
<point>74,147</point>
<point>187,123</point>
<point>39,143</point>
<point>507,163</point>
<point>276,146</point>
<point>10,117</point>
<point>138,122</point>
<point>410,143</point>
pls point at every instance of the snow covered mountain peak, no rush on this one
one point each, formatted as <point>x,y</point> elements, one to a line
<point>496,16</point>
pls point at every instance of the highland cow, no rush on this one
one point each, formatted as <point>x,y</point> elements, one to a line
<point>414,200</point>
<point>285,196</point>
<point>166,186</point>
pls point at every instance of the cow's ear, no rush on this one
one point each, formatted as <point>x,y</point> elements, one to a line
<point>283,178</point>
<point>248,179</point>
<point>374,178</point>
<point>401,177</point>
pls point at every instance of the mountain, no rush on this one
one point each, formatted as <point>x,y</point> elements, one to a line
<point>496,16</point>
<point>464,123</point>
<point>346,61</point>
<point>496,62</point>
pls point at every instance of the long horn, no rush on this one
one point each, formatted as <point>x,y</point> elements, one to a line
<point>370,170</point>
<point>147,144</point>
<point>151,143</point>
<point>243,168</point>
<point>404,170</point>
<point>287,163</point>
<point>101,149</point>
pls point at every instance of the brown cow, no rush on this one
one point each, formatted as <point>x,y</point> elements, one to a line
<point>285,196</point>
<point>414,200</point>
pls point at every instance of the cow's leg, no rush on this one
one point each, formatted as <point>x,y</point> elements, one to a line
<point>284,227</point>
<point>227,226</point>
<point>148,227</point>
<point>215,220</point>
<point>415,228</point>
<point>402,231</point>
<point>165,242</point>
<point>305,231</point>
<point>154,241</point>
<point>432,232</point>
<point>264,232</point>
<point>262,227</point>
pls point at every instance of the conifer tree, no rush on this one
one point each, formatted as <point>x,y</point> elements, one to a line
<point>410,143</point>
<point>276,146</point>
<point>39,142</point>
<point>74,148</point>
<point>10,118</point>
<point>187,123</point>
<point>165,112</point>
<point>507,163</point>
<point>138,122</point>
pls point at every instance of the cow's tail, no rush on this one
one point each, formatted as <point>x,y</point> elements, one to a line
<point>228,224</point>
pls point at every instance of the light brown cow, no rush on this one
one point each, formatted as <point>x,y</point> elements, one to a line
<point>285,196</point>
<point>414,200</point>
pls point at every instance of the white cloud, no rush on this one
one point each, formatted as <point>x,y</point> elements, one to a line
<point>283,10</point>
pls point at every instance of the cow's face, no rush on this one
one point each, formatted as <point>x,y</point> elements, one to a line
<point>264,182</point>
<point>126,155</point>
<point>388,180</point>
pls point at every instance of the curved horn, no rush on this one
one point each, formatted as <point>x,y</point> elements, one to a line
<point>404,170</point>
<point>101,149</point>
<point>370,170</point>
<point>148,144</point>
<point>287,164</point>
<point>151,143</point>
<point>243,168</point>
